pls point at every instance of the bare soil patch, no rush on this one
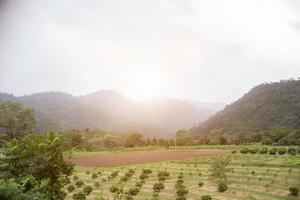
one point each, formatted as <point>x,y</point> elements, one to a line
<point>110,160</point>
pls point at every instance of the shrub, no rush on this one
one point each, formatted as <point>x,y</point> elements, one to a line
<point>87,190</point>
<point>273,151</point>
<point>253,151</point>
<point>244,151</point>
<point>97,184</point>
<point>114,189</point>
<point>263,150</point>
<point>139,184</point>
<point>133,191</point>
<point>292,151</point>
<point>78,196</point>
<point>294,191</point>
<point>70,188</point>
<point>94,176</point>
<point>114,174</point>
<point>181,198</point>
<point>75,177</point>
<point>206,197</point>
<point>124,178</point>
<point>281,150</point>
<point>79,183</point>
<point>157,187</point>
<point>180,181</point>
<point>222,187</point>
<point>181,191</point>
<point>147,171</point>
<point>143,176</point>
<point>128,197</point>
<point>200,184</point>
<point>233,152</point>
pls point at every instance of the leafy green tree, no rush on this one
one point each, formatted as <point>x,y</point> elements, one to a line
<point>133,139</point>
<point>15,120</point>
<point>36,165</point>
<point>219,168</point>
<point>183,137</point>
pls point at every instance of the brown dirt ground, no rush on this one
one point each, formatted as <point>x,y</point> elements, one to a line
<point>141,157</point>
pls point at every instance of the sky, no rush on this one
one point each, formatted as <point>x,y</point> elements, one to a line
<point>207,50</point>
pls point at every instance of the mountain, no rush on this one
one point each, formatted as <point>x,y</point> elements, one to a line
<point>266,106</point>
<point>111,111</point>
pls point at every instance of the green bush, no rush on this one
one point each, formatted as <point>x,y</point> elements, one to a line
<point>139,184</point>
<point>233,152</point>
<point>78,196</point>
<point>222,187</point>
<point>70,188</point>
<point>114,189</point>
<point>292,151</point>
<point>206,197</point>
<point>94,176</point>
<point>273,151</point>
<point>87,190</point>
<point>124,179</point>
<point>157,187</point>
<point>133,191</point>
<point>253,150</point>
<point>244,151</point>
<point>282,150</point>
<point>97,184</point>
<point>263,150</point>
<point>143,176</point>
<point>294,191</point>
<point>79,183</point>
<point>200,184</point>
<point>181,192</point>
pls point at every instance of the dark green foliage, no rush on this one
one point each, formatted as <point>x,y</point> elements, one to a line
<point>233,152</point>
<point>265,107</point>
<point>294,191</point>
<point>15,120</point>
<point>273,151</point>
<point>114,189</point>
<point>222,187</point>
<point>181,191</point>
<point>114,174</point>
<point>292,151</point>
<point>94,176</point>
<point>79,183</point>
<point>70,188</point>
<point>37,163</point>
<point>200,184</point>
<point>87,190</point>
<point>78,196</point>
<point>253,150</point>
<point>139,184</point>
<point>133,191</point>
<point>244,151</point>
<point>263,150</point>
<point>206,197</point>
<point>157,187</point>
<point>281,150</point>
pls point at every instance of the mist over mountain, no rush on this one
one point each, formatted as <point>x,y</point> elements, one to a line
<point>266,106</point>
<point>111,111</point>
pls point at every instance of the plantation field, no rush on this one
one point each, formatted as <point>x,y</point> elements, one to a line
<point>261,177</point>
<point>126,158</point>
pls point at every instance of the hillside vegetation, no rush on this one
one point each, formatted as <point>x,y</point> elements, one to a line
<point>111,111</point>
<point>267,107</point>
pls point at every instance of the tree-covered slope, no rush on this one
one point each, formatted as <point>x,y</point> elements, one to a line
<point>266,106</point>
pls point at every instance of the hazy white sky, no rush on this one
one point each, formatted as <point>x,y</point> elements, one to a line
<point>209,50</point>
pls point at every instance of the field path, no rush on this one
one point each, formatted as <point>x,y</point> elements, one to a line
<point>116,159</point>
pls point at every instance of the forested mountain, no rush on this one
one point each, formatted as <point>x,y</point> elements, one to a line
<point>111,111</point>
<point>267,106</point>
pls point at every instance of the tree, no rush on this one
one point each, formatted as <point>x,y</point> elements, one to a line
<point>76,140</point>
<point>134,139</point>
<point>35,163</point>
<point>15,120</point>
<point>183,137</point>
<point>219,168</point>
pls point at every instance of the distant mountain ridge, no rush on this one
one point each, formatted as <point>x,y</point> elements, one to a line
<point>266,106</point>
<point>111,111</point>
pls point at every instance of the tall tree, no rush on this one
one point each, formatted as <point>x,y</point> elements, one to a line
<point>183,137</point>
<point>15,120</point>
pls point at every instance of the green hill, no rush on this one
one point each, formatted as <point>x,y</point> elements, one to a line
<point>267,106</point>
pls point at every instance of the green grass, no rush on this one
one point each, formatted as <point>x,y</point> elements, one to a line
<point>271,171</point>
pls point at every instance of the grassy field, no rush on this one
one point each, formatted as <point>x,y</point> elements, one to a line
<point>261,177</point>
